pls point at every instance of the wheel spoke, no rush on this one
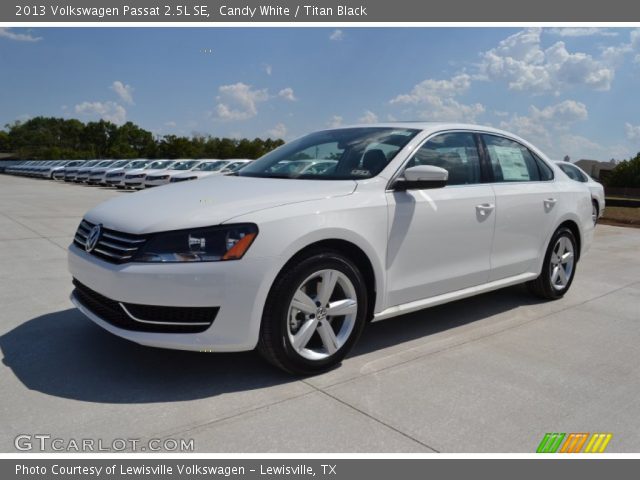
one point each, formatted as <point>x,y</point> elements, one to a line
<point>328,337</point>
<point>302,337</point>
<point>342,307</point>
<point>563,276</point>
<point>326,287</point>
<point>303,302</point>
<point>554,274</point>
<point>566,257</point>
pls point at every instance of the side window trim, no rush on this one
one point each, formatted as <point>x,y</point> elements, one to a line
<point>485,162</point>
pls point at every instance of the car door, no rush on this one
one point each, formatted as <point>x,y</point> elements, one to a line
<point>440,239</point>
<point>526,200</point>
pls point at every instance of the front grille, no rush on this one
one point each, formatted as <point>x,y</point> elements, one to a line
<point>115,174</point>
<point>140,175</point>
<point>112,246</point>
<point>145,318</point>
<point>180,179</point>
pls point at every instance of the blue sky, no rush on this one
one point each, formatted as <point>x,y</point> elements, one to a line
<point>570,91</point>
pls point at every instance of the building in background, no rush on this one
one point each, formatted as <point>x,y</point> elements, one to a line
<point>595,169</point>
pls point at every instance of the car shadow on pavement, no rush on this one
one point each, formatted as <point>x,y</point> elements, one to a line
<point>65,355</point>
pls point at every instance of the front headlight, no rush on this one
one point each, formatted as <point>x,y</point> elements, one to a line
<point>209,244</point>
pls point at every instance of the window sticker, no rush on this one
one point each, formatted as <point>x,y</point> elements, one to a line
<point>511,162</point>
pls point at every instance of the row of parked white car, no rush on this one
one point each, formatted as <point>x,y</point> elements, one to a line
<point>135,174</point>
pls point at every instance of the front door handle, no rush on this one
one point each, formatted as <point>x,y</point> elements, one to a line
<point>485,209</point>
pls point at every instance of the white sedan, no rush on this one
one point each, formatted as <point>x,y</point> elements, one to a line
<point>114,177</point>
<point>574,172</point>
<point>163,177</point>
<point>411,215</point>
<point>211,167</point>
<point>135,178</point>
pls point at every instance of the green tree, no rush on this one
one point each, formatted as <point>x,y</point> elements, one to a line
<point>60,138</point>
<point>5,143</point>
<point>625,174</point>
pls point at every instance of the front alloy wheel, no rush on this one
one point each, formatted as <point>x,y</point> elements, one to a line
<point>314,314</point>
<point>322,314</point>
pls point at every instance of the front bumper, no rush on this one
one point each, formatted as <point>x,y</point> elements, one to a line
<point>239,288</point>
<point>155,183</point>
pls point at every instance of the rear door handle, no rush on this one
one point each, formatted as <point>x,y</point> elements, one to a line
<point>550,202</point>
<point>485,208</point>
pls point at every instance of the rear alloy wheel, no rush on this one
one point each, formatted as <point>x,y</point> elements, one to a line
<point>314,314</point>
<point>559,266</point>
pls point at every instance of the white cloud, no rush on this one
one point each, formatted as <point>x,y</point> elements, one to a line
<point>336,35</point>
<point>426,89</point>
<point>434,99</point>
<point>565,112</point>
<point>125,92</point>
<point>239,101</point>
<point>18,37</point>
<point>368,117</point>
<point>335,121</point>
<point>581,32</point>
<point>521,61</point>
<point>632,131</point>
<point>549,128</point>
<point>268,69</point>
<point>170,124</point>
<point>287,94</point>
<point>279,131</point>
<point>110,111</point>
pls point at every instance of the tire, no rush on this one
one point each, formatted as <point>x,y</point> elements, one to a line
<point>595,211</point>
<point>311,325</point>
<point>553,284</point>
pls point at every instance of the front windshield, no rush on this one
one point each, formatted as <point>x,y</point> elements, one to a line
<point>342,154</point>
<point>90,164</point>
<point>119,163</point>
<point>210,166</point>
<point>136,164</point>
<point>159,164</point>
<point>185,165</point>
<point>234,166</point>
<point>105,163</point>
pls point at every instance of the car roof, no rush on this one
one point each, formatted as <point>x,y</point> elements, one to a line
<point>427,126</point>
<point>434,127</point>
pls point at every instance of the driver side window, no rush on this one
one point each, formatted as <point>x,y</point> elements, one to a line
<point>455,152</point>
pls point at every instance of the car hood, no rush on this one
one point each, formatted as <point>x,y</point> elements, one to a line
<point>210,201</point>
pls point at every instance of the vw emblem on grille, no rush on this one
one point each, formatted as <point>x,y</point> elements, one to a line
<point>92,238</point>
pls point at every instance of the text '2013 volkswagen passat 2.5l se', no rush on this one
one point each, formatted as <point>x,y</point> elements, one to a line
<point>295,262</point>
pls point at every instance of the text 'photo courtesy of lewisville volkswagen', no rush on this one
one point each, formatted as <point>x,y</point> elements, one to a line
<point>296,252</point>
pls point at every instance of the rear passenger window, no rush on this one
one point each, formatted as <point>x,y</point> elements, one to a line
<point>455,152</point>
<point>510,161</point>
<point>573,173</point>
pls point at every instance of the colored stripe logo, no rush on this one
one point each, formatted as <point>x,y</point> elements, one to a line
<point>574,442</point>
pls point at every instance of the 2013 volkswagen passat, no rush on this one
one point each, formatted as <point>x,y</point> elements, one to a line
<point>296,262</point>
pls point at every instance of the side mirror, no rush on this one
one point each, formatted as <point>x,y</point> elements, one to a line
<point>422,177</point>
